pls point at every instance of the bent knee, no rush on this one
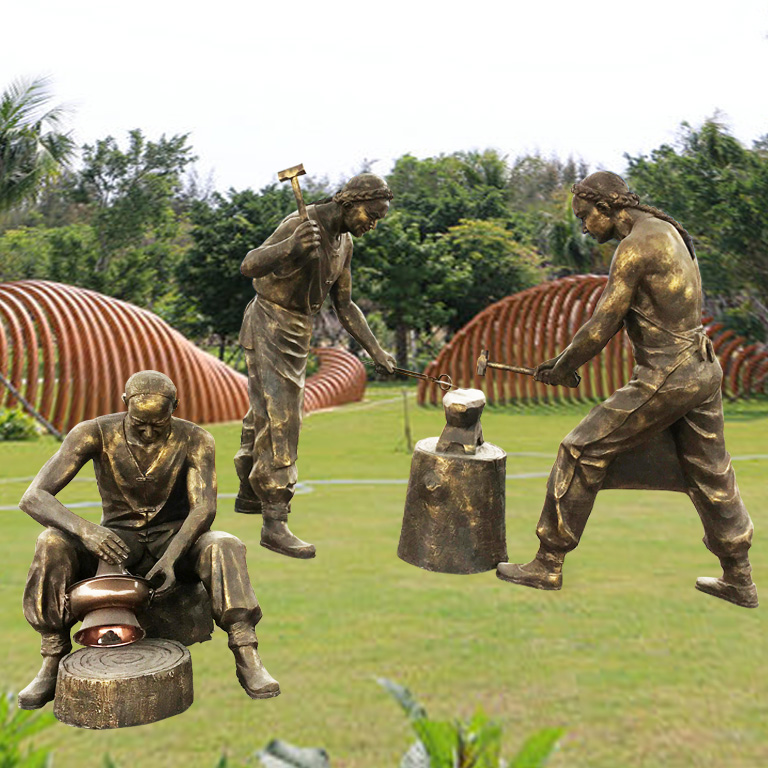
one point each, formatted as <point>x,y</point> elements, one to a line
<point>221,540</point>
<point>54,539</point>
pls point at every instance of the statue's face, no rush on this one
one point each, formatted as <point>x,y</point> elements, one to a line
<point>594,221</point>
<point>149,417</point>
<point>359,218</point>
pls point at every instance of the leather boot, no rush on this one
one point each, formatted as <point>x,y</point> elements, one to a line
<point>545,571</point>
<point>736,585</point>
<point>43,688</point>
<point>251,673</point>
<point>276,535</point>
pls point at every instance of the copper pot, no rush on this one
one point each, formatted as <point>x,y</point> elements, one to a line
<point>107,604</point>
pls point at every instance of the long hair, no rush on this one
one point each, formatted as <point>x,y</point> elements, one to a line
<point>610,189</point>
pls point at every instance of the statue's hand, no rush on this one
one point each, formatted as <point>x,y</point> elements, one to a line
<point>163,567</point>
<point>384,361</point>
<point>306,239</point>
<point>105,544</point>
<point>547,366</point>
<point>556,375</point>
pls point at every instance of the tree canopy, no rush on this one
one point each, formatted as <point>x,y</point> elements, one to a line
<point>33,148</point>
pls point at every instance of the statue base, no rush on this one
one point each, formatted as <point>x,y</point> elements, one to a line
<point>118,687</point>
<point>454,509</point>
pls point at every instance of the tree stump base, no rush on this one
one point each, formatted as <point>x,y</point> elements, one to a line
<point>123,686</point>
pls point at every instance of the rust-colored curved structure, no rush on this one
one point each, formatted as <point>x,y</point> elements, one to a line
<point>535,325</point>
<point>69,351</point>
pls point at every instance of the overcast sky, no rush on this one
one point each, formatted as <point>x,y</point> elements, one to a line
<point>262,86</point>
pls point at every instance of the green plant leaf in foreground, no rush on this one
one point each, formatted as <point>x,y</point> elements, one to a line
<point>416,757</point>
<point>17,725</point>
<point>280,754</point>
<point>537,750</point>
<point>404,698</point>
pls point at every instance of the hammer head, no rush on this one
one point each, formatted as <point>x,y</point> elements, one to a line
<point>482,363</point>
<point>290,173</point>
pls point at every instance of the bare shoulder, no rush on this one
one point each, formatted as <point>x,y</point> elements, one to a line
<point>655,235</point>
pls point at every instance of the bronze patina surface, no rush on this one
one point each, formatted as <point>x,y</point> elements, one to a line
<point>454,508</point>
<point>157,481</point>
<point>293,272</point>
<point>672,403</point>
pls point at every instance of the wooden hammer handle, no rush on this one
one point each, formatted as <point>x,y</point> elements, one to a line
<point>513,368</point>
<point>303,215</point>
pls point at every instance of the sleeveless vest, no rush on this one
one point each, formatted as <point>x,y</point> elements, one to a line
<point>132,499</point>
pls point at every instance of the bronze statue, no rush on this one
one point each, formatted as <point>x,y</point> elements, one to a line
<point>654,291</point>
<point>157,481</point>
<point>293,272</point>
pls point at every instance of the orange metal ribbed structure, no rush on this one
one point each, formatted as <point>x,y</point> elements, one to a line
<point>535,325</point>
<point>69,352</point>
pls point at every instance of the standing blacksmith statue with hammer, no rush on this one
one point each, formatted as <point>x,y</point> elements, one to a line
<point>157,481</point>
<point>654,290</point>
<point>306,258</point>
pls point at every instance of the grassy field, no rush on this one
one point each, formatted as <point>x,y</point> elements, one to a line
<point>642,670</point>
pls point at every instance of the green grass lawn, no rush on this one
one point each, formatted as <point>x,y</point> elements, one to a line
<point>642,670</point>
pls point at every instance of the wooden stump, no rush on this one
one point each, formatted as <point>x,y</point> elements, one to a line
<point>129,685</point>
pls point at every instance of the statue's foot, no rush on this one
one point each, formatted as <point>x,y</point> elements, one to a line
<point>276,535</point>
<point>744,595</point>
<point>534,574</point>
<point>43,688</point>
<point>252,674</point>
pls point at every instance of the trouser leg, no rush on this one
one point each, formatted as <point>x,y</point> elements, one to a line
<point>219,562</point>
<point>271,429</point>
<point>247,502</point>
<point>57,565</point>
<point>711,481</point>
<point>626,420</point>
<point>566,510</point>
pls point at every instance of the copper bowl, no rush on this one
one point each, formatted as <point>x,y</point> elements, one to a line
<point>109,591</point>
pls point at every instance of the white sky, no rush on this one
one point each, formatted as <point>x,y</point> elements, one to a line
<point>264,86</point>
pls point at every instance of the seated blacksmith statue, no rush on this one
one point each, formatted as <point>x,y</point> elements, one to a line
<point>157,480</point>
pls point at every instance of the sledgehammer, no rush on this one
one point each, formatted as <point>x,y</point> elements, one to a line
<point>293,174</point>
<point>483,363</point>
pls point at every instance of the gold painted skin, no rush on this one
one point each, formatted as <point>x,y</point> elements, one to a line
<point>293,272</point>
<point>157,480</point>
<point>654,290</point>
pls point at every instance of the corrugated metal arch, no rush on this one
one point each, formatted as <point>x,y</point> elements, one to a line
<point>69,352</point>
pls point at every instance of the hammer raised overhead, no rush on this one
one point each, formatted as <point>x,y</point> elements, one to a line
<point>293,174</point>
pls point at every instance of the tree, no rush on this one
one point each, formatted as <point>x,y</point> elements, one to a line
<point>32,147</point>
<point>223,231</point>
<point>716,187</point>
<point>407,278</point>
<point>437,192</point>
<point>130,196</point>
<point>494,264</point>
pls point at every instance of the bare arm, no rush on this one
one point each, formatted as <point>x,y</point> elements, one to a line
<point>201,490</point>
<point>40,502</point>
<point>285,250</point>
<point>353,320</point>
<point>626,270</point>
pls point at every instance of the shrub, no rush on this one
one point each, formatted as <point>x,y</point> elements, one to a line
<point>17,425</point>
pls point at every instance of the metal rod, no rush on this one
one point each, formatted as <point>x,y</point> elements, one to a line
<point>443,381</point>
<point>30,409</point>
